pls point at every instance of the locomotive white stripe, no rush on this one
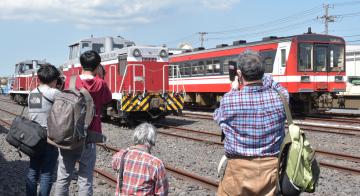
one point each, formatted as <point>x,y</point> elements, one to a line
<point>225,79</point>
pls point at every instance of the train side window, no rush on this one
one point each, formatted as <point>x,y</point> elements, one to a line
<point>320,55</point>
<point>185,70</point>
<point>268,60</point>
<point>305,57</point>
<point>337,58</point>
<point>283,57</point>
<point>70,53</point>
<point>76,51</point>
<point>209,67</point>
<point>217,67</point>
<point>197,68</point>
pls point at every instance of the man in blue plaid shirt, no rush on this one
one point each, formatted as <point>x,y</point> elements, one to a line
<point>253,121</point>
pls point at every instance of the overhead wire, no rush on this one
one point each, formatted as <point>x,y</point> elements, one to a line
<point>269,31</point>
<point>273,22</point>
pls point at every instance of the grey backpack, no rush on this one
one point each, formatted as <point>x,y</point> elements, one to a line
<point>70,117</point>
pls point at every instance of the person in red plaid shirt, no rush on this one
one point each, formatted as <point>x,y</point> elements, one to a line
<point>253,121</point>
<point>142,173</point>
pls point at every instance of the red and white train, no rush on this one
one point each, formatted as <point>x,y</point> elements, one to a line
<point>136,75</point>
<point>311,66</point>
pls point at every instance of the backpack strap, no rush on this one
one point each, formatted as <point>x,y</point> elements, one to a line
<point>287,141</point>
<point>47,99</point>
<point>121,170</point>
<point>72,83</point>
<point>89,107</point>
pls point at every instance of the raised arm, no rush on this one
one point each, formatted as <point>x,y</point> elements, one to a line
<point>268,82</point>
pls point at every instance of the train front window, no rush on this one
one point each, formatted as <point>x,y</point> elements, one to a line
<point>337,58</point>
<point>320,61</point>
<point>305,57</point>
<point>99,48</point>
<point>85,46</point>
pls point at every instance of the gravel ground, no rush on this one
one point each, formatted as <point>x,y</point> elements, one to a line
<point>196,157</point>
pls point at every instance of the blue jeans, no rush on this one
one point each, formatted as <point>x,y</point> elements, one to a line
<point>41,170</point>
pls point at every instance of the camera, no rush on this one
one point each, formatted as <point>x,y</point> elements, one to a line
<point>232,70</point>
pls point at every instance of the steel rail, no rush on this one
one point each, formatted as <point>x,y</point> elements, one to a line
<point>189,130</point>
<point>9,112</point>
<point>108,177</point>
<point>325,129</point>
<point>339,155</point>
<point>340,168</point>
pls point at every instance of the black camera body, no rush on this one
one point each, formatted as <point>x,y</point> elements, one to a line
<point>232,70</point>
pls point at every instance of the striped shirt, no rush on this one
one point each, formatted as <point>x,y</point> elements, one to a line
<point>143,173</point>
<point>253,119</point>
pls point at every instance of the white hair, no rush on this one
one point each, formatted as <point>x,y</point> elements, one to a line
<point>145,134</point>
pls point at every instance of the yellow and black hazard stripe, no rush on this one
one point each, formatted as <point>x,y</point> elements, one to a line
<point>174,102</point>
<point>170,102</point>
<point>132,103</point>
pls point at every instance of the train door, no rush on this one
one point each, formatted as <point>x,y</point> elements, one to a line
<point>112,77</point>
<point>280,63</point>
<point>122,66</point>
<point>321,67</point>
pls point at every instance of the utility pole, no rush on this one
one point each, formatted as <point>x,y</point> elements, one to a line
<point>202,37</point>
<point>326,18</point>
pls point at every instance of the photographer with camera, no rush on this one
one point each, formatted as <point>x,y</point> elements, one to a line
<point>252,119</point>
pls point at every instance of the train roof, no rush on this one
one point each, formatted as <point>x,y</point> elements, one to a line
<point>266,40</point>
<point>101,40</point>
<point>41,62</point>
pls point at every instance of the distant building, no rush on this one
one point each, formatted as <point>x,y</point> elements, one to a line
<point>353,69</point>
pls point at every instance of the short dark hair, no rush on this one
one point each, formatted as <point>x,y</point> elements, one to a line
<point>47,73</point>
<point>251,65</point>
<point>90,60</point>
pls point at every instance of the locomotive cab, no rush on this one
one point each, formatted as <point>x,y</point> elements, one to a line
<point>25,79</point>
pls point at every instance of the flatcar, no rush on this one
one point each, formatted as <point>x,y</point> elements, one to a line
<point>136,75</point>
<point>311,66</point>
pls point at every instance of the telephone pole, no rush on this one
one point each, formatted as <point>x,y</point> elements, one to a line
<point>202,37</point>
<point>326,18</point>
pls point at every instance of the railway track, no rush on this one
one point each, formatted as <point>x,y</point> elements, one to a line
<point>206,182</point>
<point>328,118</point>
<point>180,173</point>
<point>306,126</point>
<point>339,156</point>
<point>7,101</point>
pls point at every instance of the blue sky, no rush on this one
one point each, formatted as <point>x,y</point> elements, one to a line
<point>43,29</point>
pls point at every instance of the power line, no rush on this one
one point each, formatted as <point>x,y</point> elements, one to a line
<point>347,3</point>
<point>269,31</point>
<point>273,22</point>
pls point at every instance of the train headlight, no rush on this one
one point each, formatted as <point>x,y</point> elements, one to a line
<point>136,53</point>
<point>163,53</point>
